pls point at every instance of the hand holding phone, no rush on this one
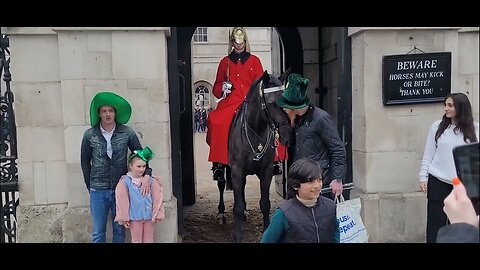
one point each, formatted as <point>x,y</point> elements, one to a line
<point>467,164</point>
<point>458,207</point>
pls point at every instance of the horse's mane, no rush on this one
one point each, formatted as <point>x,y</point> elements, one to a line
<point>252,88</point>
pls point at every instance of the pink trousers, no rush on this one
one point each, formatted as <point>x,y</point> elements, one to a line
<point>142,231</point>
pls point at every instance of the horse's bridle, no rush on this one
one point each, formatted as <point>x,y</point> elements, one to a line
<point>272,129</point>
<point>264,104</point>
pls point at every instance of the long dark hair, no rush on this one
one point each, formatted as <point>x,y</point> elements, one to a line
<point>463,118</point>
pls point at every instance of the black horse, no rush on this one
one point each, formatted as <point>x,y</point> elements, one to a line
<point>256,129</point>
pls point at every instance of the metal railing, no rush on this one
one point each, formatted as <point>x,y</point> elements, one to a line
<point>329,189</point>
<point>8,149</point>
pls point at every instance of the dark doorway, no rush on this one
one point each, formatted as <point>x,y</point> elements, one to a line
<point>292,45</point>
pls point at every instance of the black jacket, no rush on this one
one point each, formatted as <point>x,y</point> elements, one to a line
<point>316,137</point>
<point>458,233</point>
<point>316,224</point>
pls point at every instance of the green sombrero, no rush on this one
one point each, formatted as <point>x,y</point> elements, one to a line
<point>295,94</point>
<point>123,110</point>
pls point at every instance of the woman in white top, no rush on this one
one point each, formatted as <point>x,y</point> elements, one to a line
<point>438,167</point>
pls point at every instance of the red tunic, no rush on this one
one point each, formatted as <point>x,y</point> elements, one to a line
<point>219,120</point>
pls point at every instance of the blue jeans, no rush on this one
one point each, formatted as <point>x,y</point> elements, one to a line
<point>101,202</point>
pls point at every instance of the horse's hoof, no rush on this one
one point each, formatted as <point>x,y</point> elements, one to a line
<point>221,219</point>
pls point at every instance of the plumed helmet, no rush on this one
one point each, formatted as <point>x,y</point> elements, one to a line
<point>239,35</point>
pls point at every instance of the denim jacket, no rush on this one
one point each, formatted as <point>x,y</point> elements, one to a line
<point>99,170</point>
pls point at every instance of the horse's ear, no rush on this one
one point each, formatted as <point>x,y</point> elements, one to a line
<point>284,75</point>
<point>265,77</point>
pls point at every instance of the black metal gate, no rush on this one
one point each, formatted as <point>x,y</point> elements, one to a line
<point>8,150</point>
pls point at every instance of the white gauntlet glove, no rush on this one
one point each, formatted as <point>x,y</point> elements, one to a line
<point>226,88</point>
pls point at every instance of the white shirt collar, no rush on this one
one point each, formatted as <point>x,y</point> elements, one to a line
<point>104,131</point>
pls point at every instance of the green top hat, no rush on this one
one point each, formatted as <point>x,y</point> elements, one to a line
<point>146,154</point>
<point>295,94</point>
<point>123,110</point>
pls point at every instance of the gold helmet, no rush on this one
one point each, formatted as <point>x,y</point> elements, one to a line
<point>239,35</point>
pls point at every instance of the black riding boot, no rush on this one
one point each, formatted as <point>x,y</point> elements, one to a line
<point>218,171</point>
<point>277,170</point>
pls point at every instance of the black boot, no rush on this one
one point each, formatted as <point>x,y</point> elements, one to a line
<point>218,171</point>
<point>277,170</point>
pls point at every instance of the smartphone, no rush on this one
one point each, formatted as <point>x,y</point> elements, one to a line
<point>467,164</point>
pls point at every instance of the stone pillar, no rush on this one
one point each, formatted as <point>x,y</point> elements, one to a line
<point>388,142</point>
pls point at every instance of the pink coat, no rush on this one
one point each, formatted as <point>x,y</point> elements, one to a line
<point>123,203</point>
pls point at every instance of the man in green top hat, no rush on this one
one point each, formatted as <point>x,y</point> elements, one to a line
<point>316,135</point>
<point>104,159</point>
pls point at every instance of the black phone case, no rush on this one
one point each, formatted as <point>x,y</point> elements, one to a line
<point>467,165</point>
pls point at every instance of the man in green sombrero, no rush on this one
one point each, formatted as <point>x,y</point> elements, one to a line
<point>316,135</point>
<point>103,157</point>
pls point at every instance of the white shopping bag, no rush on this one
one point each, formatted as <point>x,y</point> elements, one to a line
<point>352,229</point>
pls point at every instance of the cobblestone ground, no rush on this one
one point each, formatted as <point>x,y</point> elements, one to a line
<point>201,224</point>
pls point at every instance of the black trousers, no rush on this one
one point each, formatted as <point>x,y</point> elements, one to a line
<point>437,191</point>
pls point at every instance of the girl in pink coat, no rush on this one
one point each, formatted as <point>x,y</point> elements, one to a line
<point>137,212</point>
